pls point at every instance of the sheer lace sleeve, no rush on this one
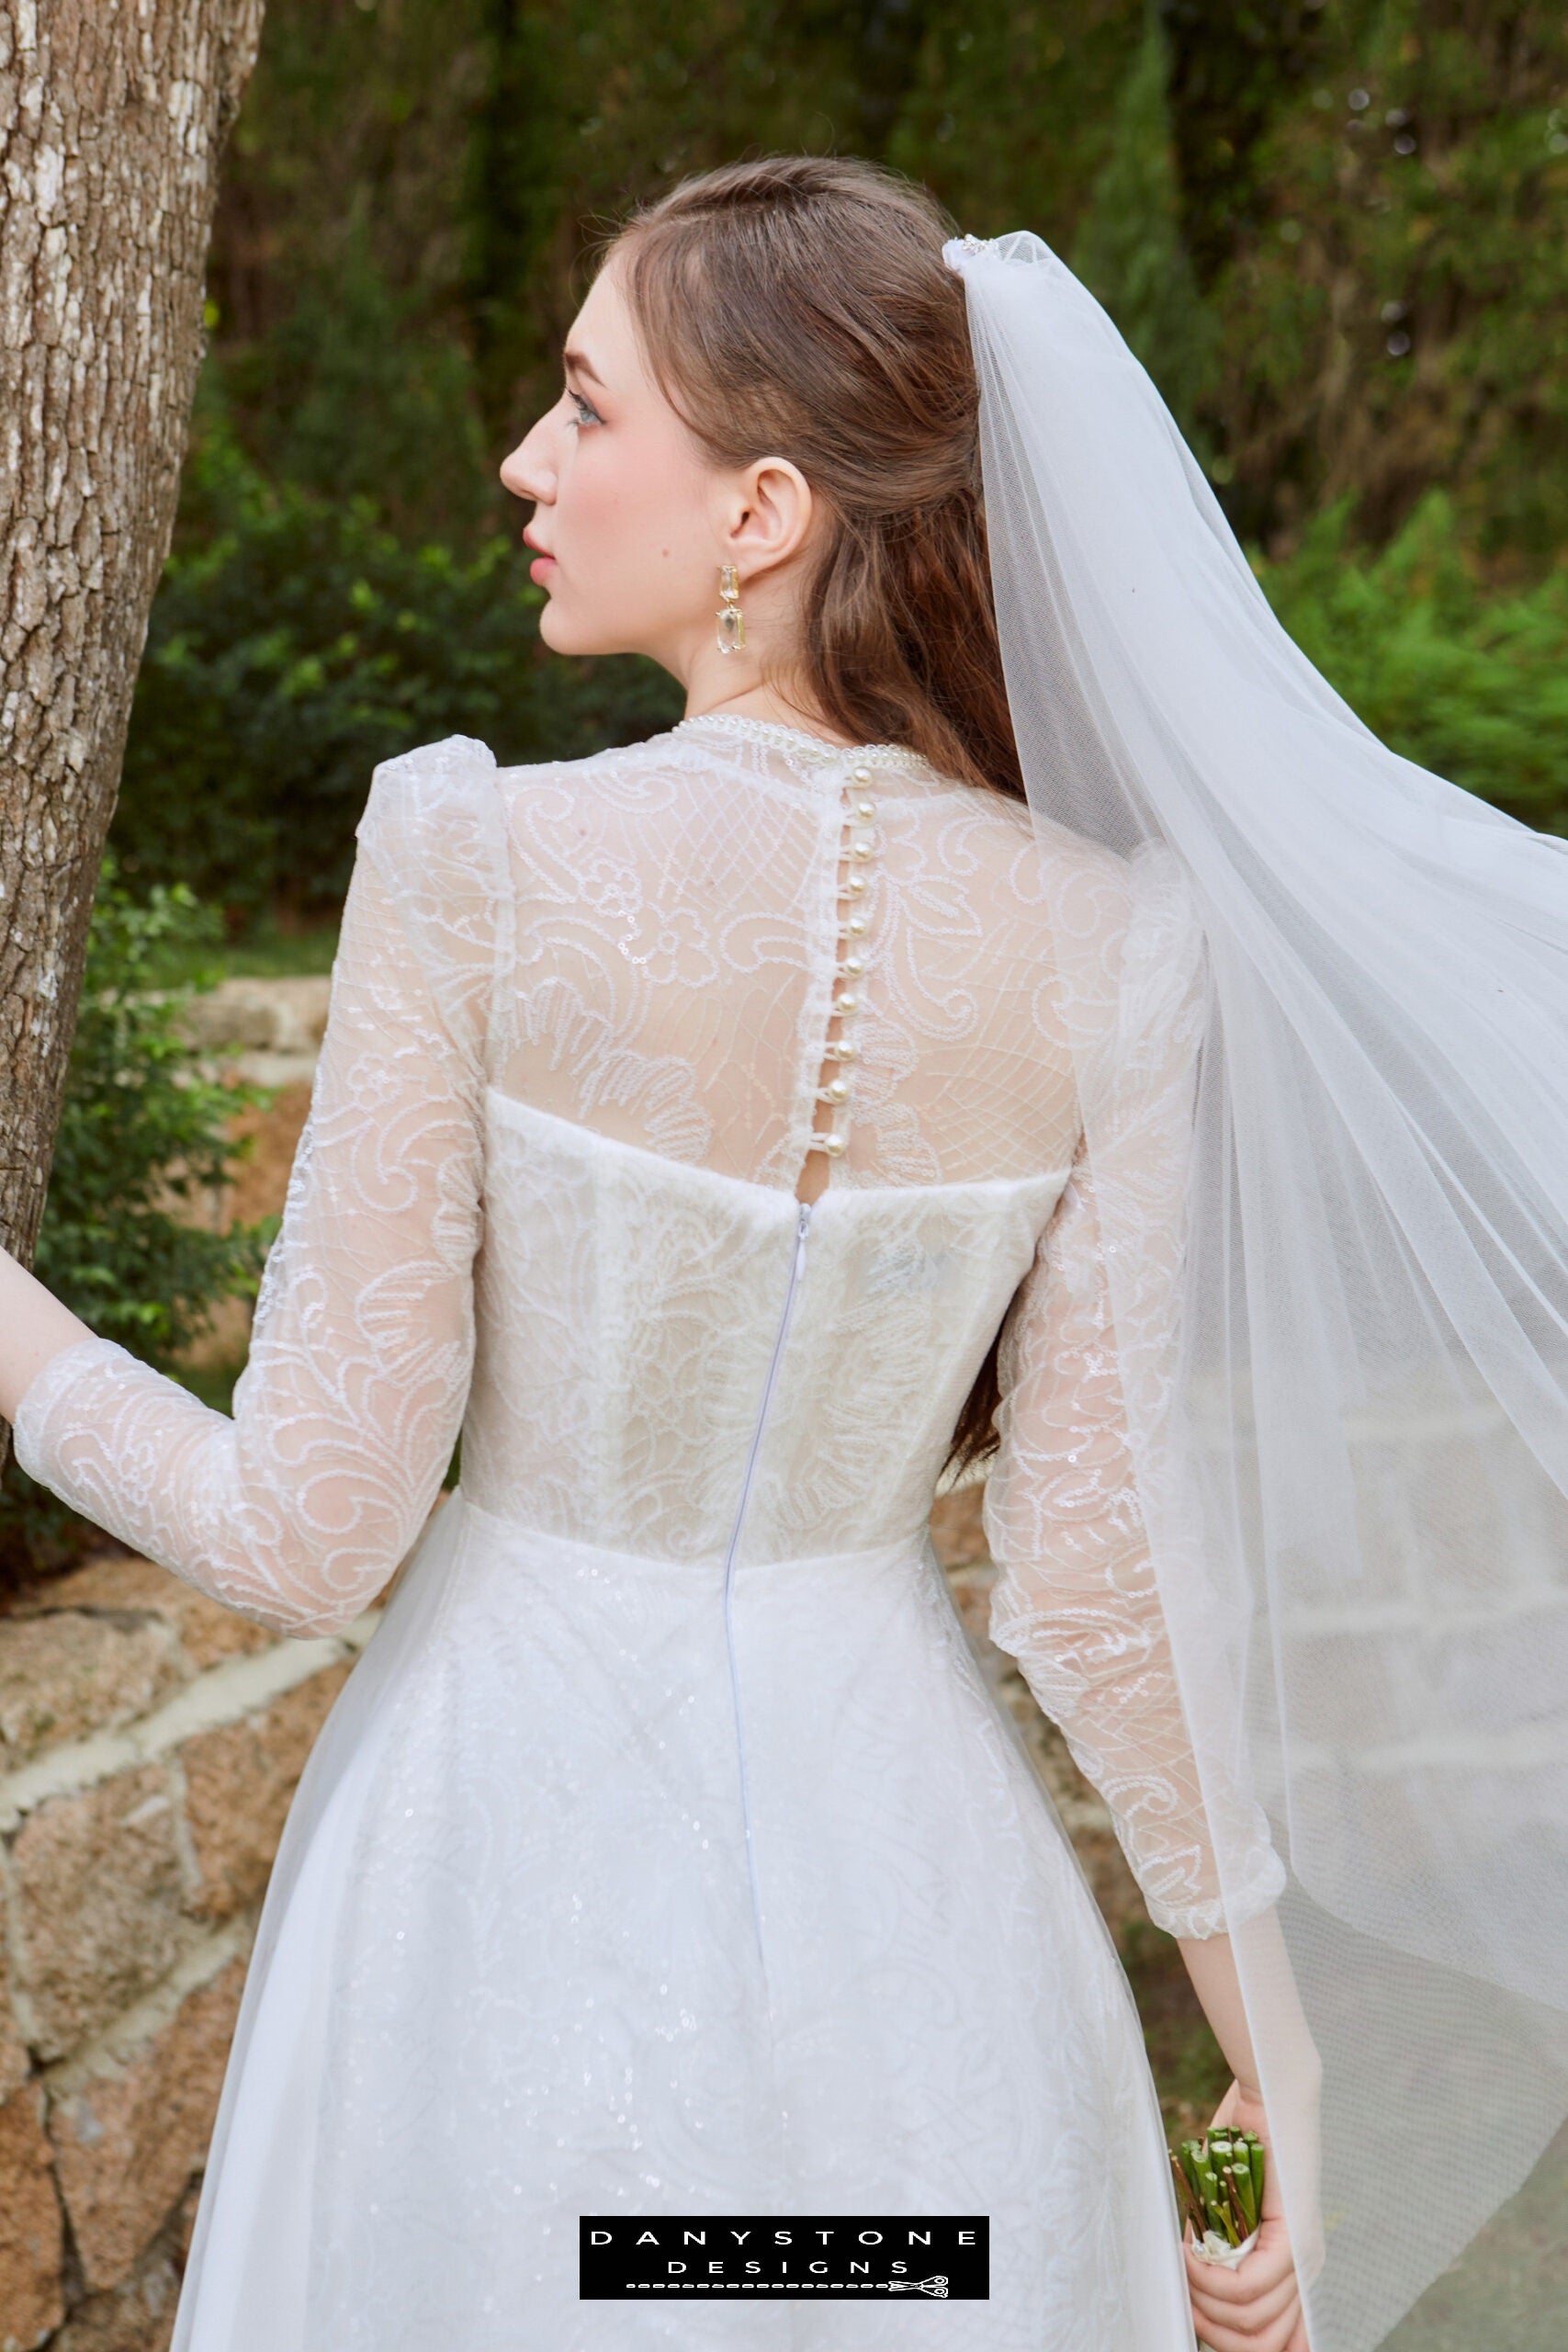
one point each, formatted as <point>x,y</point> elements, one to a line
<point>297,1510</point>
<point>1075,1600</point>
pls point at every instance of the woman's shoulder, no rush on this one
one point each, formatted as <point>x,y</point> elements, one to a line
<point>1146,885</point>
<point>448,819</point>
<point>433,819</point>
<point>419,794</point>
<point>429,781</point>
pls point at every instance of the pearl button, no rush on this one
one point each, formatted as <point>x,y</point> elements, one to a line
<point>865,807</point>
<point>856,923</point>
<point>862,775</point>
<point>855,964</point>
<point>832,1146</point>
<point>836,1090</point>
<point>847,1002</point>
<point>855,884</point>
<point>862,849</point>
<point>842,1052</point>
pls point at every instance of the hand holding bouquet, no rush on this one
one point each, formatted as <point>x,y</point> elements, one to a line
<point>1241,2274</point>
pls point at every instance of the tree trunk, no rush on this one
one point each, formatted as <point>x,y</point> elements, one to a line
<point>112,118</point>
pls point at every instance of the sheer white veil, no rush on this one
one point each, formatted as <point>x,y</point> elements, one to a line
<point>1350,1415</point>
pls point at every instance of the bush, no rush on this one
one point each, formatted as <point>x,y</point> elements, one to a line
<point>1466,679</point>
<point>142,1136</point>
<point>296,644</point>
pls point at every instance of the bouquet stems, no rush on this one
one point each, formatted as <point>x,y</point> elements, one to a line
<point>1219,2183</point>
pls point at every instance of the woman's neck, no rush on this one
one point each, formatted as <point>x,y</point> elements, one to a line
<point>762,701</point>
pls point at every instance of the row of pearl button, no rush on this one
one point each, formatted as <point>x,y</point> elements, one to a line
<point>858,851</point>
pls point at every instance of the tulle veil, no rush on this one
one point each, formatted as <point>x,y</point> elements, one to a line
<point>1349,1407</point>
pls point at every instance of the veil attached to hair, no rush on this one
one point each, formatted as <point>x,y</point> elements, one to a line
<point>1350,1421</point>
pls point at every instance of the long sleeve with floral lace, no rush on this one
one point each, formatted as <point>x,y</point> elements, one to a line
<point>1076,1601</point>
<point>297,1510</point>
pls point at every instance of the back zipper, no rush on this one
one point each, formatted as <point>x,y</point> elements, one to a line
<point>797,1267</point>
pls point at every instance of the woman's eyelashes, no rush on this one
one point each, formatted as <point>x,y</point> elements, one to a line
<point>586,412</point>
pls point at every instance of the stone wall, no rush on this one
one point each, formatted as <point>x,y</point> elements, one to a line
<point>150,1744</point>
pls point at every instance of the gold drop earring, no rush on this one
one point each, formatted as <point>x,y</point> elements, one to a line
<point>732,620</point>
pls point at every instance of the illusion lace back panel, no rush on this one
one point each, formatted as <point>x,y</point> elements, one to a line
<point>571,1076</point>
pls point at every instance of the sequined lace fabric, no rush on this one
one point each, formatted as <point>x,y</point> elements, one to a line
<point>666,1847</point>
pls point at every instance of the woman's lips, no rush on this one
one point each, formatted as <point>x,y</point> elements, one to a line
<point>541,567</point>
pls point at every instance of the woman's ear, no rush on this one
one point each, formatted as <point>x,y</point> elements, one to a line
<point>768,516</point>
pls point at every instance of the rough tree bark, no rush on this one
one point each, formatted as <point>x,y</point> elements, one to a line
<point>113,114</point>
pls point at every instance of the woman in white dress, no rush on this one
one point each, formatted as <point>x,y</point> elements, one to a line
<point>700,1130</point>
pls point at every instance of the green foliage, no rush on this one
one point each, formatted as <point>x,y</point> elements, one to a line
<point>1129,248</point>
<point>1395,309</point>
<point>295,641</point>
<point>1469,682</point>
<point>1371,195</point>
<point>1008,110</point>
<point>487,140</point>
<point>143,1137</point>
<point>1233,74</point>
<point>350,396</point>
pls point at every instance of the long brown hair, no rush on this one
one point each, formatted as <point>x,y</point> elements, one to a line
<point>799,305</point>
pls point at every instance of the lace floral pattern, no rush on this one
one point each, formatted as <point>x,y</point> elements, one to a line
<point>545,1192</point>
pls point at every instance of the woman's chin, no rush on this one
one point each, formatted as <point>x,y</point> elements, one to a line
<point>564,632</point>
<point>555,628</point>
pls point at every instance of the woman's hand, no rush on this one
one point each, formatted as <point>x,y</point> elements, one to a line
<point>1257,2307</point>
<point>34,1327</point>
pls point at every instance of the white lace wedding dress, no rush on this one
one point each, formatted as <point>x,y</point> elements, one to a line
<point>665,1851</point>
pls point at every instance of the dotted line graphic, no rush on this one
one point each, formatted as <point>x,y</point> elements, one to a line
<point>780,2287</point>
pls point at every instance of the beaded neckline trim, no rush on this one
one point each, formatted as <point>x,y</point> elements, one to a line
<point>797,740</point>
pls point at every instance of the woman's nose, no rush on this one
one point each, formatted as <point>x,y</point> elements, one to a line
<point>525,473</point>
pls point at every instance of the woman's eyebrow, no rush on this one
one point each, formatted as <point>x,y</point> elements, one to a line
<point>584,367</point>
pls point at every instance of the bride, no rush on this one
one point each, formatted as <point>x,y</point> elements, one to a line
<point>728,1134</point>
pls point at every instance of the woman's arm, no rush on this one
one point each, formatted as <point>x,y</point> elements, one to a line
<point>1075,1600</point>
<point>296,1508</point>
<point>1211,1964</point>
<point>1257,2307</point>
